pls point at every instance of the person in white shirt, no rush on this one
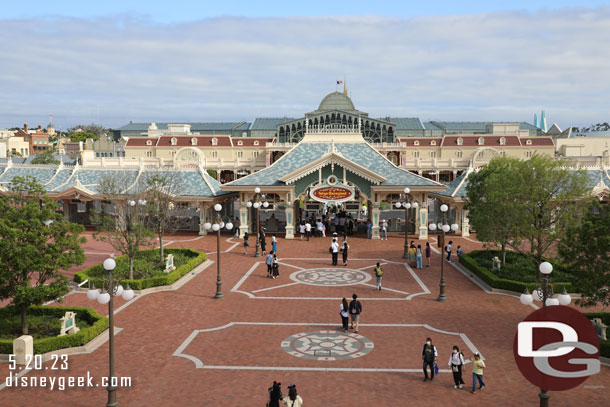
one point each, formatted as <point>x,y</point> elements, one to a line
<point>456,361</point>
<point>307,230</point>
<point>334,249</point>
<point>302,230</point>
<point>320,227</point>
<point>292,399</point>
<point>384,230</point>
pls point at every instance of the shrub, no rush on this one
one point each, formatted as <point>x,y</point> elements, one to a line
<point>185,259</point>
<point>472,261</point>
<point>98,325</point>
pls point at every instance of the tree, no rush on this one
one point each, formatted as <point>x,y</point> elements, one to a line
<point>36,243</point>
<point>47,157</point>
<point>82,136</point>
<point>123,225</point>
<point>95,129</point>
<point>161,187</point>
<point>585,249</point>
<point>492,204</point>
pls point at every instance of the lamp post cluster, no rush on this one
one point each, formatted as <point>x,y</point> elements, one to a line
<point>444,228</point>
<point>407,205</point>
<point>257,202</point>
<point>216,226</point>
<point>544,293</point>
<point>110,289</point>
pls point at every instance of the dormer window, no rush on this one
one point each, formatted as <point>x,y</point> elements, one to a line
<point>460,141</point>
<point>502,141</point>
<point>416,143</point>
<point>481,141</point>
<point>528,142</point>
<point>174,141</point>
<point>433,143</point>
<point>214,141</point>
<point>240,143</point>
<point>256,142</point>
<point>149,142</point>
<point>194,141</point>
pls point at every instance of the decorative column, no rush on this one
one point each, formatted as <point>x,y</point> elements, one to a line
<point>244,219</point>
<point>203,215</point>
<point>289,221</point>
<point>375,214</point>
<point>422,217</point>
<point>465,223</point>
<point>268,159</point>
<point>403,159</point>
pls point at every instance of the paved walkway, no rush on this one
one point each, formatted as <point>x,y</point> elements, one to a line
<point>184,348</point>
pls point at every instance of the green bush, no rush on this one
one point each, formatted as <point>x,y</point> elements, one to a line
<point>472,261</point>
<point>98,324</point>
<point>184,259</point>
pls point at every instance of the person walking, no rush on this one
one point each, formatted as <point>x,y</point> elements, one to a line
<point>334,250</point>
<point>379,275</point>
<point>293,399</point>
<point>236,224</point>
<point>355,308</point>
<point>275,394</point>
<point>456,361</point>
<point>419,260</point>
<point>302,230</point>
<point>477,372</point>
<point>246,243</point>
<point>307,230</point>
<point>345,249</point>
<point>269,263</point>
<point>274,244</point>
<point>384,229</point>
<point>411,252</point>
<point>428,252</point>
<point>448,250</point>
<point>344,312</point>
<point>428,355</point>
<point>275,266</point>
<point>263,239</point>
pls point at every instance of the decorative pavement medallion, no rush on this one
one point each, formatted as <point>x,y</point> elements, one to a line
<point>330,277</point>
<point>327,345</point>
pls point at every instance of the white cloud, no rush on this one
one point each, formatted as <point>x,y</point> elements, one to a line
<point>493,66</point>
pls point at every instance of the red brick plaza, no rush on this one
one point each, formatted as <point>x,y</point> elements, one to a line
<point>185,348</point>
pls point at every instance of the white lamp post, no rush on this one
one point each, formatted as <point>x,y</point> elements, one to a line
<point>218,224</point>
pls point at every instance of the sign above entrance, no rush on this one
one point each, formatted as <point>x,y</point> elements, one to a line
<point>332,192</point>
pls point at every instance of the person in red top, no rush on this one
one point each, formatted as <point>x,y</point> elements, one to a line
<point>428,249</point>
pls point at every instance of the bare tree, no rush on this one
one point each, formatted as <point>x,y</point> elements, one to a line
<point>123,225</point>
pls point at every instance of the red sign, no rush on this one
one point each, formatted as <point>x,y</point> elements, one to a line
<point>332,193</point>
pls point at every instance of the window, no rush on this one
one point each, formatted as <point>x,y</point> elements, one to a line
<point>256,142</point>
<point>460,141</point>
<point>149,142</point>
<point>194,141</point>
<point>502,141</point>
<point>416,143</point>
<point>149,154</point>
<point>481,141</point>
<point>458,154</point>
<point>528,153</point>
<point>433,143</point>
<point>174,141</point>
<point>393,159</point>
<point>528,142</point>
<point>255,154</point>
<point>172,153</point>
<point>214,154</point>
<point>240,154</point>
<point>503,153</point>
<point>432,154</point>
<point>240,143</point>
<point>416,154</point>
<point>214,141</point>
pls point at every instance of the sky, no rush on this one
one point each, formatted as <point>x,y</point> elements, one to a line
<point>113,62</point>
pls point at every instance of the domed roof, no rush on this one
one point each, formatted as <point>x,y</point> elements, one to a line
<point>336,101</point>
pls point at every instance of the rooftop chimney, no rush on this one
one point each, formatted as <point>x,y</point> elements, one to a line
<point>25,127</point>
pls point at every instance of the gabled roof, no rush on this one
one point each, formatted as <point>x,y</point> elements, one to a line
<point>457,188</point>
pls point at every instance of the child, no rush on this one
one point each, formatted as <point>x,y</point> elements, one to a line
<point>459,250</point>
<point>477,372</point>
<point>276,267</point>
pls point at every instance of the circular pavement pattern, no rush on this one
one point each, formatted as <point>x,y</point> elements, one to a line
<point>327,345</point>
<point>330,277</point>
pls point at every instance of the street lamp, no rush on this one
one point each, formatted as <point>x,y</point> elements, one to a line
<point>218,224</point>
<point>407,205</point>
<point>110,289</point>
<point>256,203</point>
<point>544,293</point>
<point>444,227</point>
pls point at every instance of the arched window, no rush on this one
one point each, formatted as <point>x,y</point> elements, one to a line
<point>416,143</point>
<point>460,141</point>
<point>528,142</point>
<point>214,141</point>
<point>194,141</point>
<point>174,141</point>
<point>149,142</point>
<point>502,141</point>
<point>481,141</point>
<point>256,142</point>
<point>433,142</point>
<point>240,143</point>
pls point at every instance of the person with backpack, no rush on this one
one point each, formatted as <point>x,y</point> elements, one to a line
<point>269,263</point>
<point>456,361</point>
<point>293,399</point>
<point>379,275</point>
<point>275,394</point>
<point>477,372</point>
<point>355,308</point>
<point>344,312</point>
<point>448,250</point>
<point>334,251</point>
<point>428,355</point>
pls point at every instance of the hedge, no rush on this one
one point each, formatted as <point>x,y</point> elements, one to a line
<point>98,325</point>
<point>156,281</point>
<point>604,346</point>
<point>494,281</point>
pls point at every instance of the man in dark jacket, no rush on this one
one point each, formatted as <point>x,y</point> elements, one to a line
<point>428,355</point>
<point>355,308</point>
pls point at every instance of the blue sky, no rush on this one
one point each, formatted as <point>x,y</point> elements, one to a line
<point>111,62</point>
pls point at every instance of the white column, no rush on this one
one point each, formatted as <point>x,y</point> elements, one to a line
<point>465,223</point>
<point>375,214</point>
<point>244,219</point>
<point>289,221</point>
<point>203,209</point>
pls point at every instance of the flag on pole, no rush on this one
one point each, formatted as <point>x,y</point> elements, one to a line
<point>51,116</point>
<point>339,82</point>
